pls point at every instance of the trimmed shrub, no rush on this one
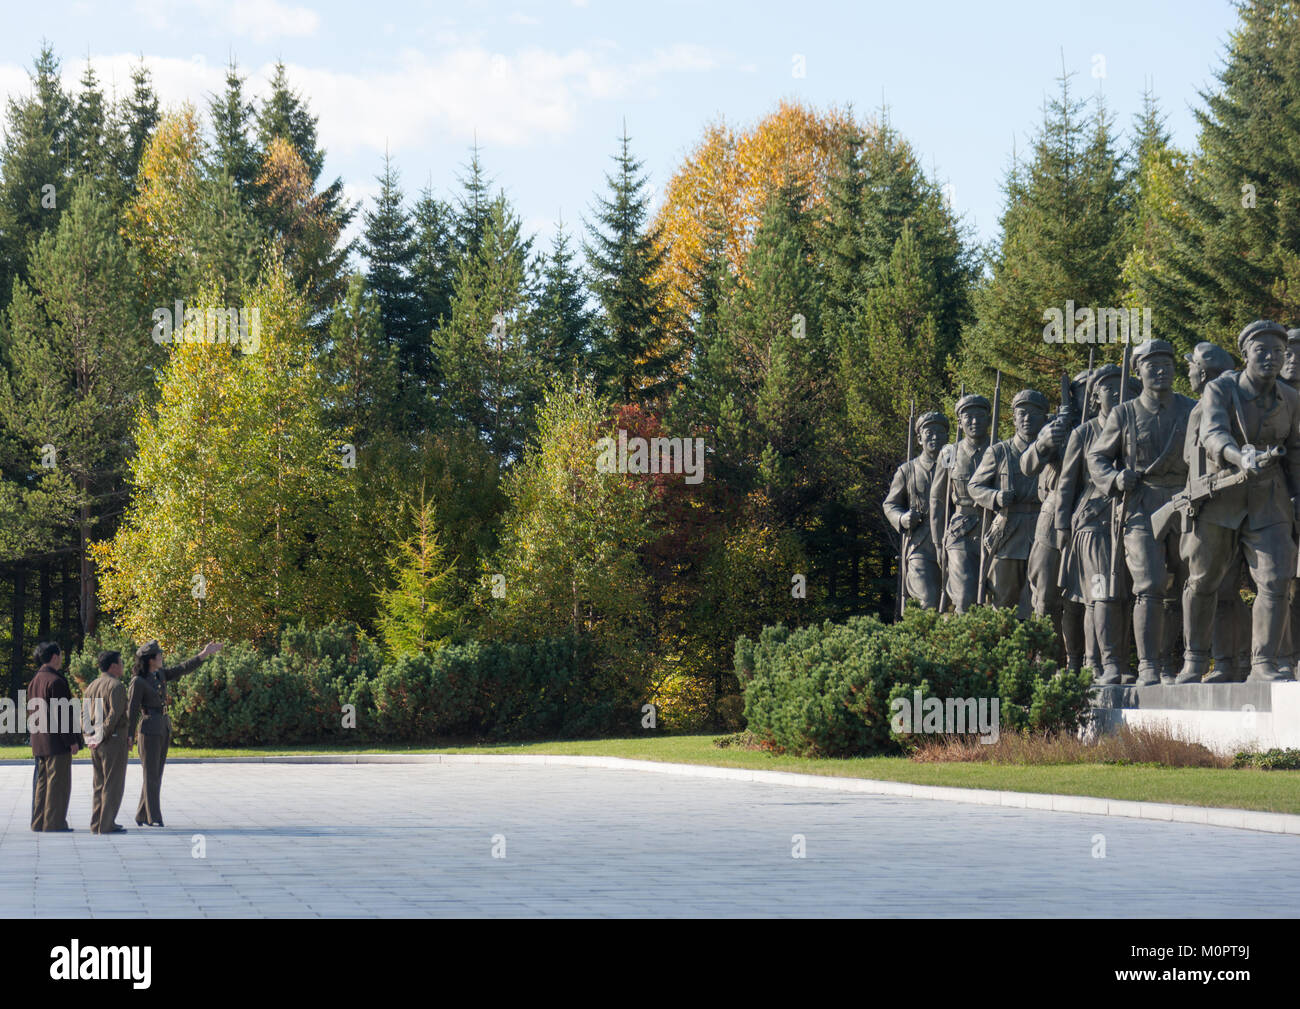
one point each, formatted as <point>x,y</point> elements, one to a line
<point>827,690</point>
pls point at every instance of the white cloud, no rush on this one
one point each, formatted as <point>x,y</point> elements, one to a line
<point>449,96</point>
<point>518,18</point>
<point>260,20</point>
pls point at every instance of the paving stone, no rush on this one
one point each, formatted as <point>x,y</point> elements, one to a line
<point>405,839</point>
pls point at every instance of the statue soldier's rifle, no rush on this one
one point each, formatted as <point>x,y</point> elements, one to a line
<point>984,521</point>
<point>1119,508</point>
<point>906,536</point>
<point>1083,419</point>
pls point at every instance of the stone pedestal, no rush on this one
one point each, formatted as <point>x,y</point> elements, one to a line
<point>1225,717</point>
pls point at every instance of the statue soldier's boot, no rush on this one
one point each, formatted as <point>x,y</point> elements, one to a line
<point>1223,669</point>
<point>1091,653</point>
<point>1109,624</point>
<point>1171,654</point>
<point>1147,631</point>
<point>1269,618</point>
<point>1072,634</point>
<point>1198,622</point>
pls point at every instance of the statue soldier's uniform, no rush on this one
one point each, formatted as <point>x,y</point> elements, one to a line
<point>950,498</point>
<point>907,508</point>
<point>1141,443</point>
<point>1044,457</point>
<point>1231,639</point>
<point>1290,655</point>
<point>1001,486</point>
<point>1243,415</point>
<point>148,697</point>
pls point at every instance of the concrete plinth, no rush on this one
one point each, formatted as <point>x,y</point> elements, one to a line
<point>1225,717</point>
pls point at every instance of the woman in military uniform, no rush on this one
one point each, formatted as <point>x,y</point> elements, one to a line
<point>148,697</point>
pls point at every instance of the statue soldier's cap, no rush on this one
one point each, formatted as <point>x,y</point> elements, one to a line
<point>148,650</point>
<point>1212,357</point>
<point>1148,348</point>
<point>1259,328</point>
<point>1105,371</point>
<point>1030,397</point>
<point>1293,336</point>
<point>972,401</point>
<point>933,417</point>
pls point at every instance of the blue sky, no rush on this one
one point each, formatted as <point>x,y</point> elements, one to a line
<point>546,86</point>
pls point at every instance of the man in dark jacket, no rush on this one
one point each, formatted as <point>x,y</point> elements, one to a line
<point>53,725</point>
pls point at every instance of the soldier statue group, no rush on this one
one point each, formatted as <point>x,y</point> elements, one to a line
<point>1133,517</point>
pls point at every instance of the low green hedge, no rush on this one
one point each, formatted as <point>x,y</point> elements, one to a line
<point>827,690</point>
<point>331,685</point>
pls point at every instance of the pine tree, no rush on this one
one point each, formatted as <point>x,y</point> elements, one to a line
<point>1228,225</point>
<point>233,150</point>
<point>482,348</point>
<point>433,273</point>
<point>631,354</point>
<point>138,118</point>
<point>390,251</point>
<point>34,167</point>
<point>360,366</point>
<point>89,129</point>
<point>1159,230</point>
<point>562,321</point>
<point>1063,235</point>
<point>474,206</point>
<point>284,113</point>
<point>284,191</point>
<point>415,611</point>
<point>78,353</point>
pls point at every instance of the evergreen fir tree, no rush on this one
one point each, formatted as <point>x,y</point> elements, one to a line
<point>89,129</point>
<point>138,118</point>
<point>562,321</point>
<point>78,353</point>
<point>631,356</point>
<point>34,167</point>
<point>1063,234</point>
<point>390,251</point>
<point>233,151</point>
<point>360,366</point>
<point>474,206</point>
<point>480,348</point>
<point>433,272</point>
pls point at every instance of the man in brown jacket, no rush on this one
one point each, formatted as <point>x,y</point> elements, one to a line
<point>109,744</point>
<point>53,726</point>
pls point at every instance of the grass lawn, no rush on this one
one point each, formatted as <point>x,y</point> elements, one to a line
<point>1272,791</point>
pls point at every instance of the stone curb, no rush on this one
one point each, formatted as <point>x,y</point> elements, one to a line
<point>1214,816</point>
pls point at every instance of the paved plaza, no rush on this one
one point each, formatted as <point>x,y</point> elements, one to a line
<point>404,840</point>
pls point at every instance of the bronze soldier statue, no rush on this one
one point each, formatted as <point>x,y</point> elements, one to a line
<point>954,516</point>
<point>1043,458</point>
<point>1138,459</point>
<point>1250,424</point>
<point>1290,657</point>
<point>1231,639</point>
<point>907,508</point>
<point>1002,487</point>
<point>1082,524</point>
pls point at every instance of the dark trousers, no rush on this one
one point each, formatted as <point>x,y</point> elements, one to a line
<point>109,758</point>
<point>51,790</point>
<point>153,757</point>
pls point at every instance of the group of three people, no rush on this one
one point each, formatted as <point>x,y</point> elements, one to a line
<point>117,719</point>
